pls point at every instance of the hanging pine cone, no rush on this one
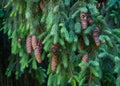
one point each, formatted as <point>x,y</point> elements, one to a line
<point>83,20</point>
<point>81,43</point>
<point>54,63</point>
<point>96,36</point>
<point>89,19</point>
<point>37,54</point>
<point>85,57</point>
<point>41,5</point>
<point>40,43</point>
<point>55,48</point>
<point>34,41</point>
<point>28,44</point>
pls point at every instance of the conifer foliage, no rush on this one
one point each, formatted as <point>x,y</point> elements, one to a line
<point>76,37</point>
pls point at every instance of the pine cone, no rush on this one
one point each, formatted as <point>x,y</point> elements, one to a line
<point>89,19</point>
<point>96,36</point>
<point>83,20</point>
<point>28,44</point>
<point>85,57</point>
<point>41,4</point>
<point>37,54</point>
<point>40,44</point>
<point>34,42</point>
<point>81,43</point>
<point>54,63</point>
<point>55,48</point>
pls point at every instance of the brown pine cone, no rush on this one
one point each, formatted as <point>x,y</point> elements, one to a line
<point>34,42</point>
<point>81,43</point>
<point>41,5</point>
<point>85,57</point>
<point>28,44</point>
<point>83,20</point>
<point>40,43</point>
<point>89,19</point>
<point>55,48</point>
<point>54,63</point>
<point>37,54</point>
<point>96,36</point>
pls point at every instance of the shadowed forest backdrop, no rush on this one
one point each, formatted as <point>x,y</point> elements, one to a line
<point>59,43</point>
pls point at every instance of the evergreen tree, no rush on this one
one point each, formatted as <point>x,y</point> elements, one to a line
<point>79,38</point>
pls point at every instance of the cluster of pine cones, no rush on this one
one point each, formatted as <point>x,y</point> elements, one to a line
<point>36,44</point>
<point>86,19</point>
<point>32,43</point>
